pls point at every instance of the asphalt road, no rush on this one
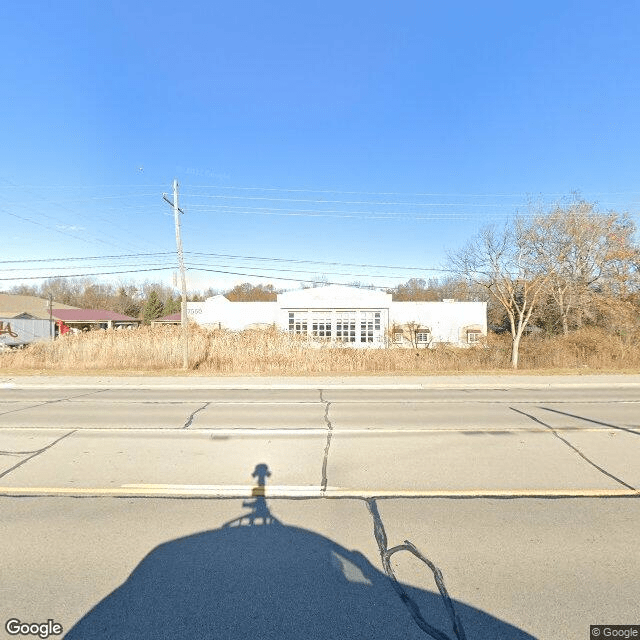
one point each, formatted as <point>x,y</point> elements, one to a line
<point>233,509</point>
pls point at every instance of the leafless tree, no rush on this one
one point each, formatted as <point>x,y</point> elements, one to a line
<point>586,254</point>
<point>248,292</point>
<point>499,260</point>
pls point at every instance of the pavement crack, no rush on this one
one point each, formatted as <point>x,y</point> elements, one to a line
<point>410,604</point>
<point>46,402</point>
<point>19,453</point>
<point>327,446</point>
<point>187,424</point>
<point>574,448</point>
<point>36,453</point>
<point>604,424</point>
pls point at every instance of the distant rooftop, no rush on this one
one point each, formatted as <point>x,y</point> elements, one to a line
<point>90,315</point>
<point>173,317</point>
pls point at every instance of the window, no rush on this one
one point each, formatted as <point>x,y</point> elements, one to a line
<point>473,337</point>
<point>369,321</point>
<point>346,326</point>
<point>422,337</point>
<point>398,337</point>
<point>321,325</point>
<point>298,322</point>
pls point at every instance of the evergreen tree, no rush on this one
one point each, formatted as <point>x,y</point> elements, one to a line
<point>153,307</point>
<point>172,305</point>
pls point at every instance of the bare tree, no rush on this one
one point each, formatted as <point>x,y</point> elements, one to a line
<point>586,254</point>
<point>499,261</point>
<point>248,292</point>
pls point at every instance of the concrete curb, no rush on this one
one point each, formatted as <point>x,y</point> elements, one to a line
<point>324,382</point>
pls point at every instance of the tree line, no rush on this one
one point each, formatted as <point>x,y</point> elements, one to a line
<point>551,271</point>
<point>557,271</point>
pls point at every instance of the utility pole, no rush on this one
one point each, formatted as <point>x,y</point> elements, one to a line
<point>183,312</point>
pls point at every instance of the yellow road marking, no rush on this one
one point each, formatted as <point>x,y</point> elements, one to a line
<point>246,491</point>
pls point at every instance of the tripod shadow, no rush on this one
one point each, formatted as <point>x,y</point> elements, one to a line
<point>259,508</point>
<point>256,577</point>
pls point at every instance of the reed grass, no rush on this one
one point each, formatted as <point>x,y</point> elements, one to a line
<point>272,352</point>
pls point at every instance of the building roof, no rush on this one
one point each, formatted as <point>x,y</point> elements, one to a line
<point>334,295</point>
<point>173,317</point>
<point>12,305</point>
<point>90,315</point>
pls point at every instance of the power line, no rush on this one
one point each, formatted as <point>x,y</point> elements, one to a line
<point>310,280</point>
<point>66,233</point>
<point>75,266</point>
<point>214,207</point>
<point>123,255</point>
<point>84,275</point>
<point>525,194</point>
<point>196,267</point>
<point>219,255</point>
<point>13,185</point>
<point>392,216</point>
<point>404,193</point>
<point>322,201</point>
<point>300,261</point>
<point>66,208</point>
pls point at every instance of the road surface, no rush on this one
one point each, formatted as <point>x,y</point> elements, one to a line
<point>521,493</point>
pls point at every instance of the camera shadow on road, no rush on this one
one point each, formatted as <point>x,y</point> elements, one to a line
<point>256,577</point>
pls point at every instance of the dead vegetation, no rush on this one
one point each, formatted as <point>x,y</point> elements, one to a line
<point>272,352</point>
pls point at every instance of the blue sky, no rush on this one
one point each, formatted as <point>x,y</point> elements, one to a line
<point>357,133</point>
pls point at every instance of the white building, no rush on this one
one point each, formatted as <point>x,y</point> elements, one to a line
<point>349,315</point>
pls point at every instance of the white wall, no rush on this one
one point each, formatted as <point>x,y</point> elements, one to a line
<point>446,320</point>
<point>218,311</point>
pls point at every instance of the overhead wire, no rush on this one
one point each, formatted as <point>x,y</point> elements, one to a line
<point>193,204</point>
<point>196,266</point>
<point>84,238</point>
<point>323,201</point>
<point>84,275</point>
<point>300,261</point>
<point>404,193</point>
<point>125,255</point>
<point>98,266</point>
<point>286,279</point>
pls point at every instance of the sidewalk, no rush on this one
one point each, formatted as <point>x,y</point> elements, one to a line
<point>506,381</point>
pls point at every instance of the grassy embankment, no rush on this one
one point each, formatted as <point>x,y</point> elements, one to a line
<point>159,350</point>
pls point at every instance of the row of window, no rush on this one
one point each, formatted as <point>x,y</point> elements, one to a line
<point>341,325</point>
<point>353,326</point>
<point>424,337</point>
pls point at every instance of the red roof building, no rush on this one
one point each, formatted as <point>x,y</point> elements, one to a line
<point>173,318</point>
<point>90,318</point>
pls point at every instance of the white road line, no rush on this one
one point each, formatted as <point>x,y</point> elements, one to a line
<point>224,432</point>
<point>310,431</point>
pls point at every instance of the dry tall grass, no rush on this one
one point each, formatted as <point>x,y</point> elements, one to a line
<point>274,352</point>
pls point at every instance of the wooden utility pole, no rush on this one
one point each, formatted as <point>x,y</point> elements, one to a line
<point>183,311</point>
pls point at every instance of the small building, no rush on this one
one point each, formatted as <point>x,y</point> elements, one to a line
<point>88,319</point>
<point>172,318</point>
<point>351,316</point>
<point>23,328</point>
<point>26,319</point>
